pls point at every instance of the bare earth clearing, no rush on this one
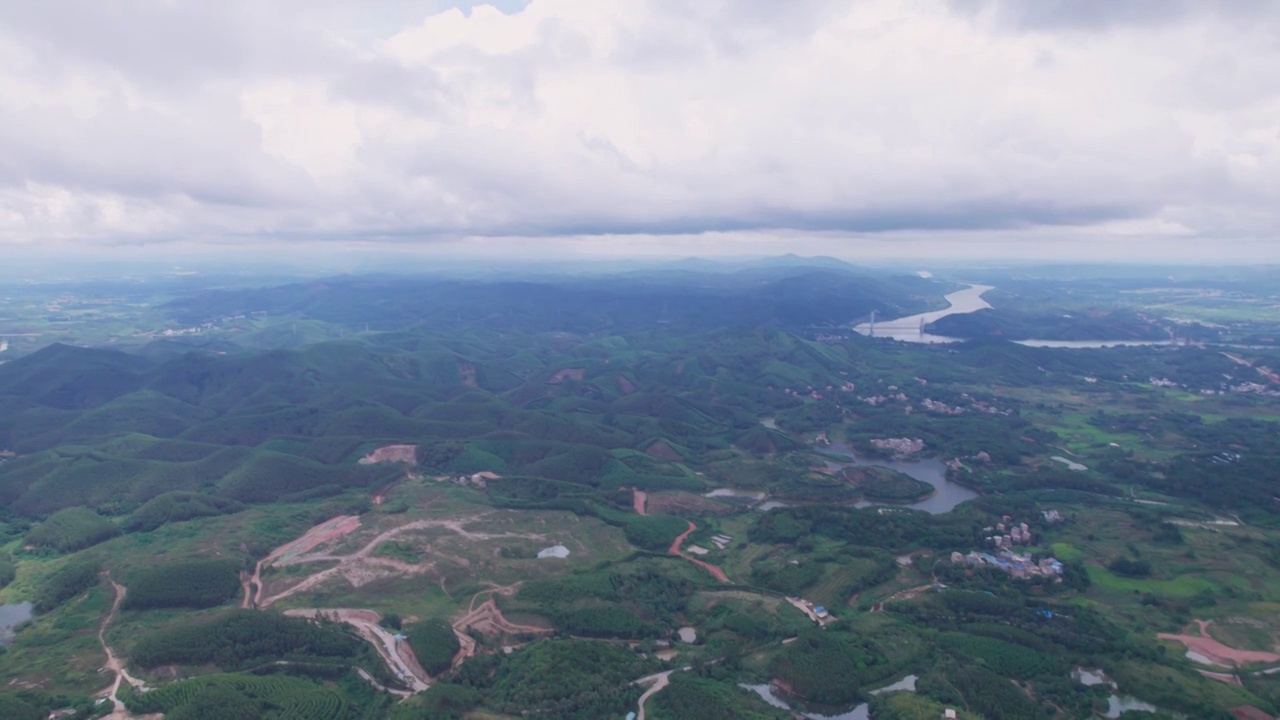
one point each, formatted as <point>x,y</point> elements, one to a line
<point>1216,652</point>
<point>392,454</point>
<point>638,500</point>
<point>361,567</point>
<point>322,533</point>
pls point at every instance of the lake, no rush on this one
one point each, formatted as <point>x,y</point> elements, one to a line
<point>10,617</point>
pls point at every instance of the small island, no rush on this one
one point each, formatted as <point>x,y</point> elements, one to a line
<point>881,484</point>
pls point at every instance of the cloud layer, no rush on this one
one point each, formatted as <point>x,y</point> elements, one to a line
<point>1148,126</point>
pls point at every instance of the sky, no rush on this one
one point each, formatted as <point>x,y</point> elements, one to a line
<point>1032,129</point>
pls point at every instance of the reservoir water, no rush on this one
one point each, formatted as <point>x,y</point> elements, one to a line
<point>857,712</point>
<point>10,617</point>
<point>946,494</point>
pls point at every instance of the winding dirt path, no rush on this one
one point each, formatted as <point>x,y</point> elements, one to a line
<point>659,680</point>
<point>115,664</point>
<point>716,572</point>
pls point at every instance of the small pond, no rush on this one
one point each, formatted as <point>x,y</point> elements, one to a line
<point>11,616</point>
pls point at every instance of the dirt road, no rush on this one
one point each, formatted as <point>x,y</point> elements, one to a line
<point>659,680</point>
<point>115,664</point>
<point>716,572</point>
<point>398,655</point>
<point>1216,652</point>
<point>348,564</point>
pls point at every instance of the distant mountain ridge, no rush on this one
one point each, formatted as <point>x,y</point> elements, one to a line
<point>787,292</point>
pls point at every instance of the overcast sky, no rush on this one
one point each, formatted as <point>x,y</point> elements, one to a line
<point>1040,128</point>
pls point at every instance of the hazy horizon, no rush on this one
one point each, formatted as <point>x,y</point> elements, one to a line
<point>988,130</point>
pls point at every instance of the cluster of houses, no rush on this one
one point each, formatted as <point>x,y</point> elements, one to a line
<point>900,447</point>
<point>1008,533</point>
<point>1019,566</point>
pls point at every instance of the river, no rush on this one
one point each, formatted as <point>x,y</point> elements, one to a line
<point>908,329</point>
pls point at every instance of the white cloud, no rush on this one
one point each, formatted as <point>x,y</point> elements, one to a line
<point>645,125</point>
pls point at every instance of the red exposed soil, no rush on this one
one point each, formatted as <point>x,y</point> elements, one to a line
<point>716,572</point>
<point>1215,651</point>
<point>1249,712</point>
<point>625,386</point>
<point>638,500</point>
<point>468,373</point>
<point>392,454</point>
<point>663,451</point>
<point>566,374</point>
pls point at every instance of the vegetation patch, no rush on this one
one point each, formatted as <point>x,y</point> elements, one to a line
<point>178,506</point>
<point>243,697</point>
<point>691,696</point>
<point>244,639</point>
<point>434,643</point>
<point>591,680</point>
<point>72,529</point>
<point>65,583</point>
<point>194,584</point>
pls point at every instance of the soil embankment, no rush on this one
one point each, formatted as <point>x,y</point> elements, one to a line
<point>716,572</point>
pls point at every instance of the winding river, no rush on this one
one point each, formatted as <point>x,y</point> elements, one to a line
<point>909,329</point>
